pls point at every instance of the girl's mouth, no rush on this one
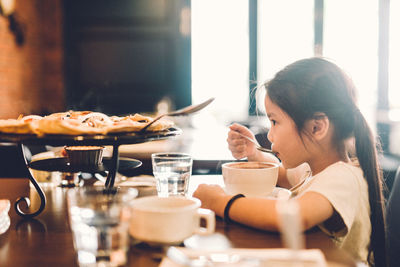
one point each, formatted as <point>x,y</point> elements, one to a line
<point>276,153</point>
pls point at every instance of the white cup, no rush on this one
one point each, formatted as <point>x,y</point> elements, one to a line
<point>169,220</point>
<point>250,178</point>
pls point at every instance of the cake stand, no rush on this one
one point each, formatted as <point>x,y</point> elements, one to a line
<point>60,164</point>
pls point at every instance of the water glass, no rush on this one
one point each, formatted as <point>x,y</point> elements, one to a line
<point>172,172</point>
<point>99,220</point>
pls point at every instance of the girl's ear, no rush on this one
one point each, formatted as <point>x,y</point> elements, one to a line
<point>318,126</point>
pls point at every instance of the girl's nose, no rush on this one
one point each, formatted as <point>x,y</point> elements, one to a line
<point>270,136</point>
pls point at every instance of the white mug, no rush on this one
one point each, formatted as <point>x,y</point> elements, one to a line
<point>169,220</point>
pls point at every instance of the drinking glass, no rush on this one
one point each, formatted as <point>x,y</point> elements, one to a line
<point>99,220</point>
<point>172,172</point>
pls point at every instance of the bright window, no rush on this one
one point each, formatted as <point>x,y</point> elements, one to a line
<point>285,34</point>
<point>220,57</point>
<point>351,41</point>
<point>394,56</point>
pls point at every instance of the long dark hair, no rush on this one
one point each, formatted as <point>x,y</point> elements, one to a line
<point>316,85</point>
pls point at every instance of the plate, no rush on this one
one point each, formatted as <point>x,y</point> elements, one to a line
<point>281,193</point>
<point>245,256</point>
<point>78,140</point>
<point>61,164</point>
<point>4,218</point>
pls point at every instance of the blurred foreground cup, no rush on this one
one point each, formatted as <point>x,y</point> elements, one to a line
<point>45,178</point>
<point>99,220</point>
<point>169,220</point>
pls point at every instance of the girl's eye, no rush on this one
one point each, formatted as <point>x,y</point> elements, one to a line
<point>273,122</point>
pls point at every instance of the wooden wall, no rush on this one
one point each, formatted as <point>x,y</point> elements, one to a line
<point>32,75</point>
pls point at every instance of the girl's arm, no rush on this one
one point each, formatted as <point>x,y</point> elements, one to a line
<point>260,212</point>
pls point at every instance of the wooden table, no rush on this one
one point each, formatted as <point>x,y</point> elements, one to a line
<point>47,239</point>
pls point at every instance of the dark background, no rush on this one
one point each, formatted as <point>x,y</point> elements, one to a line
<point>125,56</point>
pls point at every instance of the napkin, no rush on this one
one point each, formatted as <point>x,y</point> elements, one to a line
<point>142,180</point>
<point>145,184</point>
<point>4,218</point>
<point>270,257</point>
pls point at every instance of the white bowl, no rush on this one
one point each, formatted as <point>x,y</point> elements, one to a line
<point>250,178</point>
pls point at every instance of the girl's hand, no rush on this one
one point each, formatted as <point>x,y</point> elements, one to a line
<point>212,197</point>
<point>238,145</point>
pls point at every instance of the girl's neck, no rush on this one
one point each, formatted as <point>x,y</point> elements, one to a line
<point>327,158</point>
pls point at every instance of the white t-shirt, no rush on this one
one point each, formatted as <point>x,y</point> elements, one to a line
<point>343,184</point>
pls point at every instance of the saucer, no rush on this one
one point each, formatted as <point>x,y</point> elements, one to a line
<point>280,193</point>
<point>277,193</point>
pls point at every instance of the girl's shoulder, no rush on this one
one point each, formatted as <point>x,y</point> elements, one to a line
<point>348,174</point>
<point>343,177</point>
<point>344,167</point>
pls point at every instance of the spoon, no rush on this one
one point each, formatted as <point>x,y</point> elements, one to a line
<point>263,149</point>
<point>180,112</point>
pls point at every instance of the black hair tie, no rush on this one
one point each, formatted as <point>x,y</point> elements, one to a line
<point>228,207</point>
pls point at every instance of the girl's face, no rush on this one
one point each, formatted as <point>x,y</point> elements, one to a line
<point>284,137</point>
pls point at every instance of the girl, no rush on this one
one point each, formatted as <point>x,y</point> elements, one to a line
<point>315,121</point>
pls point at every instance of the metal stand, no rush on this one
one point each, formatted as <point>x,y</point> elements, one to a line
<point>114,167</point>
<point>55,140</point>
<point>109,184</point>
<point>26,199</point>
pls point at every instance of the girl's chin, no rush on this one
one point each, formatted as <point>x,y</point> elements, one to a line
<point>286,165</point>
